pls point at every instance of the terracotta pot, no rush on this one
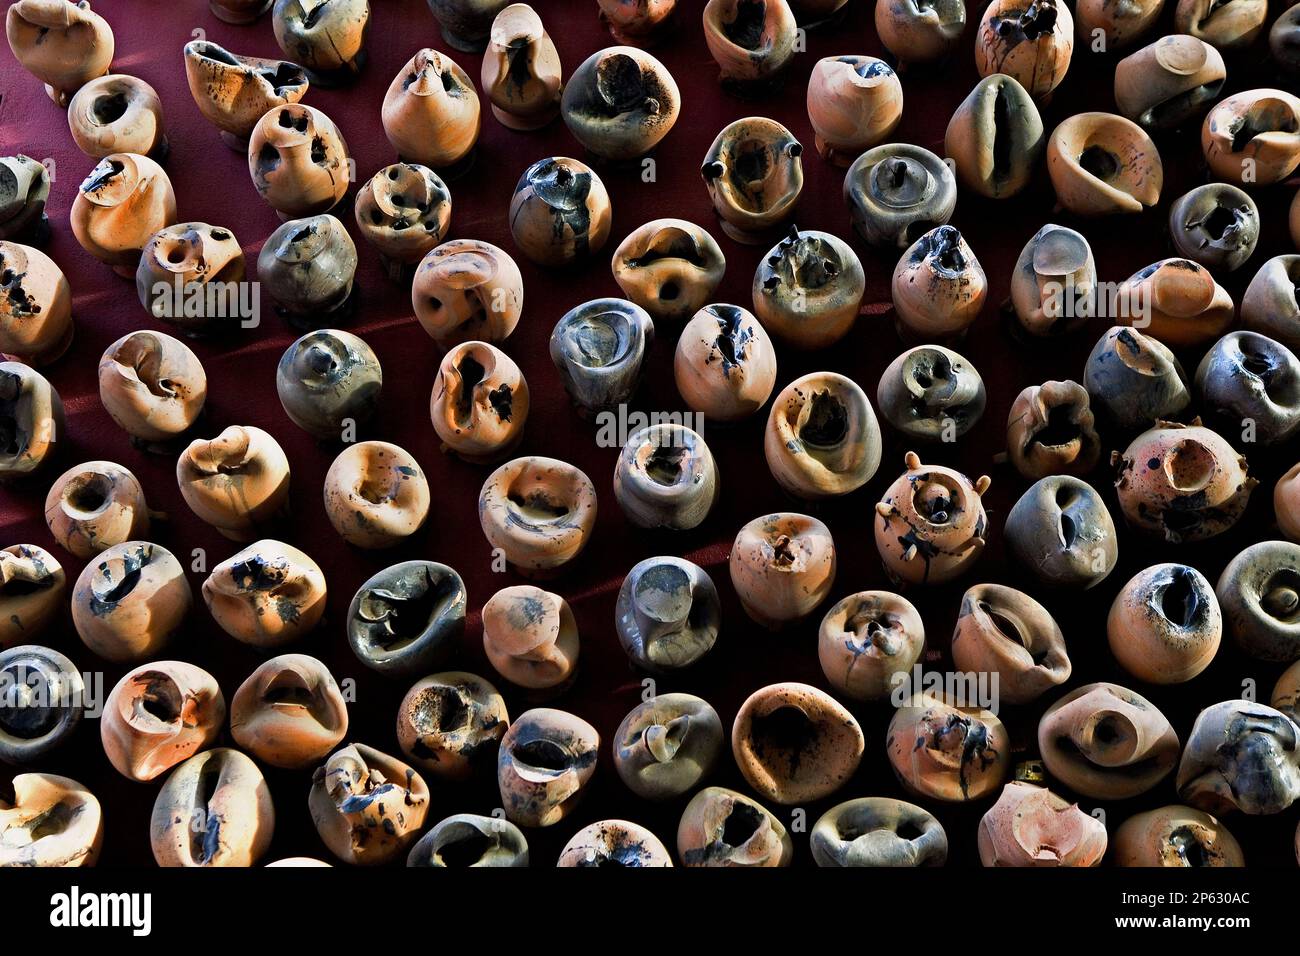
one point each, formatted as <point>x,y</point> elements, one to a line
<point>1283,39</point>
<point>614,843</point>
<point>1240,756</point>
<point>61,43</point>
<point>467,839</point>
<point>237,482</point>
<point>289,712</point>
<point>25,841</point>
<point>1259,592</point>
<point>1164,626</point>
<point>531,638</point>
<point>480,402</point>
<point>544,764</point>
<point>466,290</point>
<point>599,349</point>
<point>897,192</point>
<point>559,213</point>
<point>666,745</point>
<point>24,189</point>
<point>1175,836</point>
<point>1029,41</point>
<point>620,103</point>
<point>267,595</point>
<point>1168,83</point>
<point>408,618</point>
<point>878,832</point>
<point>119,206</point>
<point>328,38</point>
<point>995,138</point>
<point>431,112</point>
<point>35,305</point>
<point>1253,138</point>
<point>667,615</point>
<point>945,752</point>
<point>31,421</point>
<point>1102,164</point>
<point>1182,482</point>
<point>233,92</point>
<point>1054,284</point>
<point>866,640</point>
<point>1031,826</point>
<point>404,211</point>
<point>449,724</point>
<point>1178,302</point>
<point>938,287</point>
<point>328,382</point>
<point>854,102</point>
<point>94,506</point>
<point>539,512</point>
<point>1216,225</point>
<point>808,289</point>
<point>307,266</point>
<point>1270,306</point>
<point>723,828</point>
<point>638,22</point>
<point>1006,632</point>
<point>117,113</point>
<point>1135,380</point>
<point>725,364</point>
<point>752,43</point>
<point>189,264</point>
<point>298,160</point>
<point>665,477</point>
<point>466,24</point>
<point>44,694</point>
<point>158,715</point>
<point>931,523</point>
<point>129,601</point>
<point>782,567</point>
<point>930,393</point>
<point>33,591</point>
<point>822,439</point>
<point>1050,431</point>
<point>1247,380</point>
<point>669,267</point>
<point>920,32</point>
<point>240,13</point>
<point>1229,26</point>
<point>1117,26</point>
<point>1062,534</point>
<point>221,795</point>
<point>376,495</point>
<point>754,175</point>
<point>368,807</point>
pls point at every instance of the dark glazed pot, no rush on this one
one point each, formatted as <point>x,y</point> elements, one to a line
<point>1241,756</point>
<point>599,349</point>
<point>930,393</point>
<point>1135,380</point>
<point>878,832</point>
<point>666,745</point>
<point>668,614</point>
<point>1216,225</point>
<point>1259,592</point>
<point>898,192</point>
<point>42,698</point>
<point>620,103</point>
<point>466,24</point>
<point>665,477</point>
<point>308,267</point>
<point>1250,386</point>
<point>408,618</point>
<point>328,39</point>
<point>1062,534</point>
<point>326,379</point>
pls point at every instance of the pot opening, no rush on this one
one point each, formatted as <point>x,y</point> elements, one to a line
<point>1180,600</point>
<point>109,108</point>
<point>749,25</point>
<point>542,754</point>
<point>441,710</point>
<point>827,422</point>
<point>465,849</point>
<point>781,738</point>
<point>742,823</point>
<point>1100,162</point>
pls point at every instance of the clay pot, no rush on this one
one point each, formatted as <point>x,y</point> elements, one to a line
<point>35,305</point>
<point>31,422</point>
<point>368,807</point>
<point>782,567</point>
<point>995,138</point>
<point>1050,431</point>
<point>919,32</point>
<point>130,600</point>
<point>559,213</point>
<point>215,810</point>
<point>822,439</point>
<point>1135,380</point>
<point>545,762</point>
<point>1229,26</point>
<point>408,618</point>
<point>1216,225</point>
<point>638,22</point>
<point>1164,625</point>
<point>267,595</point>
<point>615,843</point>
<point>1062,534</point>
<point>665,477</point>
<point>466,290</point>
<point>26,840</point>
<point>867,640</point>
<point>1248,378</point>
<point>24,190</point>
<point>467,839</point>
<point>1286,503</point>
<point>1284,40</point>
<point>599,349</point>
<point>754,175</point>
<point>431,112</point>
<point>1031,826</point>
<point>94,506</point>
<point>376,495</point>
<point>521,72</point>
<point>854,102</point>
<point>878,832</point>
<point>404,211</point>
<point>1286,692</point>
<point>1106,742</point>
<point>725,365</point>
<point>1029,41</point>
<point>158,715</point>
<point>930,393</point>
<point>1259,592</point>
<point>666,745</point>
<point>307,266</point>
<point>119,206</point>
<point>1102,164</point>
<point>480,402</point>
<point>1270,306</point>
<point>1115,25</point>
<point>189,264</point>
<point>1240,756</point>
<point>945,752</point>
<point>668,614</point>
<point>33,591</point>
<point>620,103</point>
<point>1171,81</point>
<point>1178,302</point>
<point>117,113</point>
<point>1253,138</point>
<point>808,288</point>
<point>233,92</point>
<point>531,638</point>
<point>240,13</point>
<point>449,724</point>
<point>42,694</point>
<point>669,267</point>
<point>752,43</point>
<point>1006,632</point>
<point>298,161</point>
<point>237,482</point>
<point>466,24</point>
<point>938,287</point>
<point>63,44</point>
<point>1054,283</point>
<point>1182,482</point>
<point>897,192</point>
<point>723,828</point>
<point>931,523</point>
<point>328,38</point>
<point>328,380</point>
<point>539,512</point>
<point>1175,836</point>
<point>289,712</point>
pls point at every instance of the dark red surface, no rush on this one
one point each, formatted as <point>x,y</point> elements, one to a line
<point>212,184</point>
